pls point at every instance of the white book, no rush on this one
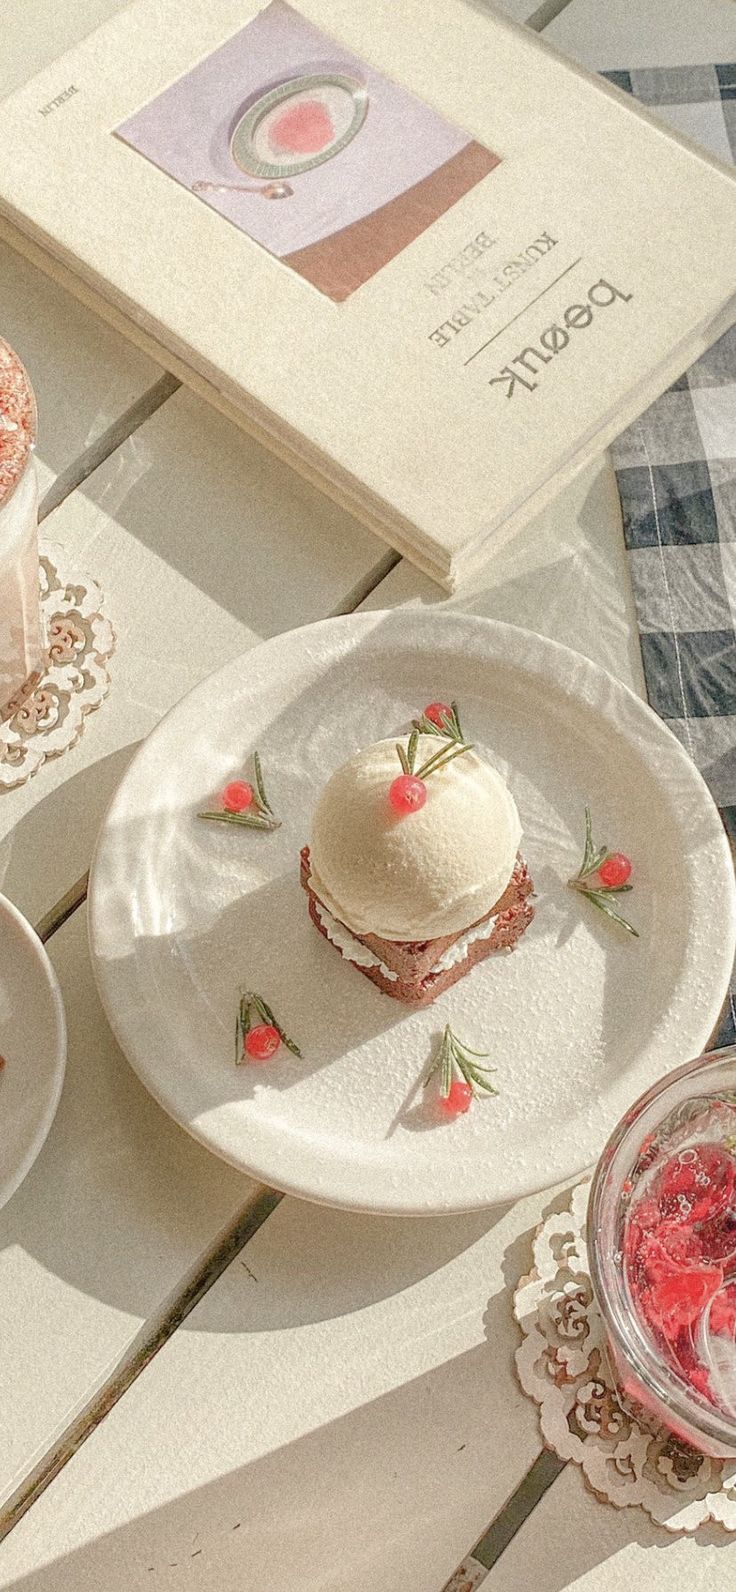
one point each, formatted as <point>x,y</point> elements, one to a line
<point>434,264</point>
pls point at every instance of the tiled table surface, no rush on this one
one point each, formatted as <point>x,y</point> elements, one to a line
<point>339,1411</point>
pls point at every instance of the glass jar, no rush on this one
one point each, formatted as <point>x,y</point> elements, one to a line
<point>21,635</point>
<point>662,1253</point>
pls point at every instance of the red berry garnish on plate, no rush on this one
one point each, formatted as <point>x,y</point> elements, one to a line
<point>600,875</point>
<point>461,1076</point>
<point>243,805</point>
<point>615,870</point>
<point>458,1100</point>
<point>407,793</point>
<point>262,1042</point>
<point>438,713</point>
<point>237,796</point>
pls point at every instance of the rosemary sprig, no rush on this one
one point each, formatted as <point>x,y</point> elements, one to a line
<point>247,820</point>
<point>450,726</point>
<point>251,1004</point>
<point>260,787</point>
<point>586,880</point>
<point>439,759</point>
<point>407,756</point>
<point>454,1060</point>
<point>260,814</point>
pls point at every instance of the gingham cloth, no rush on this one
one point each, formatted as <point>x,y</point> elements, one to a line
<point>676,473</point>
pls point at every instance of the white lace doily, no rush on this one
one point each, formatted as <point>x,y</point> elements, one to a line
<point>563,1367</point>
<point>74,679</point>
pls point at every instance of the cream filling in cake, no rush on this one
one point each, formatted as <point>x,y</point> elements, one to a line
<point>353,951</point>
<point>458,952</point>
<point>348,947</point>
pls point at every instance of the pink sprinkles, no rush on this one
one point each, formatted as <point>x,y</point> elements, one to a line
<point>17,420</point>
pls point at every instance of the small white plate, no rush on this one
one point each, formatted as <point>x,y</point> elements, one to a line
<point>33,1044</point>
<point>578,1020</point>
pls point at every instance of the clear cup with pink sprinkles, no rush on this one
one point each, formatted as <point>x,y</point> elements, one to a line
<point>21,637</point>
<point>662,1252</point>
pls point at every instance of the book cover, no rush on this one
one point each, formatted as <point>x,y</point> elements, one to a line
<point>431,262</point>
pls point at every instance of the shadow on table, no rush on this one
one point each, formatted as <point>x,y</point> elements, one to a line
<point>288,553</point>
<point>375,1497</point>
<point>49,846</point>
<point>349,1506</point>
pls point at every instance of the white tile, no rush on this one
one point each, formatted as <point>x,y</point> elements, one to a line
<point>606,34</point>
<point>341,1411</point>
<point>565,576</point>
<point>84,375</point>
<point>119,1206</point>
<point>204,544</point>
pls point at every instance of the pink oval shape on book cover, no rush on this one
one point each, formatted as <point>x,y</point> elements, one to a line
<point>302,129</point>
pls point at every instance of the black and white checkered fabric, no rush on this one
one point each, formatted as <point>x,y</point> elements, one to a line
<point>676,472</point>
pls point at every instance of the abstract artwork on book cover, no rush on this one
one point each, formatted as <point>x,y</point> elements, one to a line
<point>321,160</point>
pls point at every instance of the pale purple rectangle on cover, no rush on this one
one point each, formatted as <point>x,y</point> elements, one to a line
<point>186,131</point>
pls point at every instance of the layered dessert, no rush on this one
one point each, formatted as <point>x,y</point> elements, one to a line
<point>413,870</point>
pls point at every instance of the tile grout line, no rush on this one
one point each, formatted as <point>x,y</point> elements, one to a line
<point>367,584</point>
<point>548,12</point>
<point>63,909</point>
<point>152,1337</point>
<point>121,429</point>
<point>474,1570</point>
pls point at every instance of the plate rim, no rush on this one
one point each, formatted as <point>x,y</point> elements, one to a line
<point>10,1186</point>
<point>367,621</point>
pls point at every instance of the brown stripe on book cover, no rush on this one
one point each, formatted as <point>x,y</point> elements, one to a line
<point>342,262</point>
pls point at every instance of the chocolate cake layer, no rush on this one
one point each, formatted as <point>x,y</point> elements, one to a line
<point>407,969</point>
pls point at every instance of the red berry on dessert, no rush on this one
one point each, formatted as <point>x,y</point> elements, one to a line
<point>237,796</point>
<point>262,1042</point>
<point>615,870</point>
<point>438,713</point>
<point>407,793</point>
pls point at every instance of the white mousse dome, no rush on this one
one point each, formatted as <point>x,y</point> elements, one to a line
<point>417,875</point>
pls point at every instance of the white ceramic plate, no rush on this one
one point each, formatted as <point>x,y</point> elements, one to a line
<point>578,1020</point>
<point>33,1044</point>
